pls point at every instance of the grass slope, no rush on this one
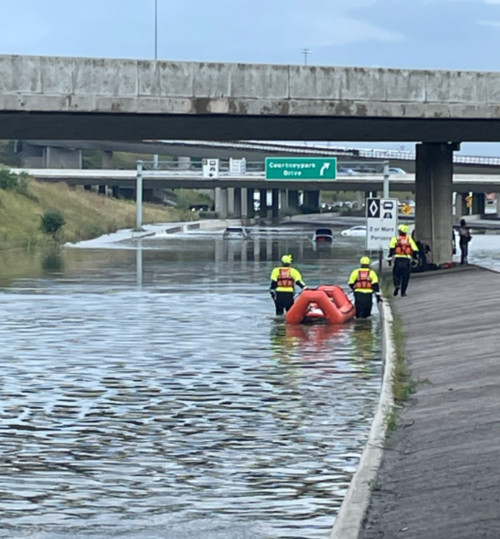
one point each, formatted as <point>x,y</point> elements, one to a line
<point>86,214</point>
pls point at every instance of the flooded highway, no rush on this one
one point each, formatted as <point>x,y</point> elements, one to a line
<point>148,390</point>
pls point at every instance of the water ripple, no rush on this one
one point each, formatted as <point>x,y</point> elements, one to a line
<point>180,411</point>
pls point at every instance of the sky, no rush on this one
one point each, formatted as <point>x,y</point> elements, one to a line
<point>409,34</point>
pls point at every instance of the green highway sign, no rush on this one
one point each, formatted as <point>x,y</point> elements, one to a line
<point>301,168</point>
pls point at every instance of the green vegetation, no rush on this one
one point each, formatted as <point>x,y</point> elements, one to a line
<point>13,182</point>
<point>403,386</point>
<point>52,223</point>
<point>85,213</point>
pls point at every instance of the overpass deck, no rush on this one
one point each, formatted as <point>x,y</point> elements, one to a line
<point>193,179</point>
<point>439,472</point>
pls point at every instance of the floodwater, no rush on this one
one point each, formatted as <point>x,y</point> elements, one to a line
<point>148,390</point>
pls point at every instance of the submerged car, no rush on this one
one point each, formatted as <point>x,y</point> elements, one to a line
<point>236,233</point>
<point>358,231</point>
<point>323,235</point>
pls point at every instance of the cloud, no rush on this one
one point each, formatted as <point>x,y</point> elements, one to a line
<point>279,25</point>
<point>340,30</point>
<point>495,24</point>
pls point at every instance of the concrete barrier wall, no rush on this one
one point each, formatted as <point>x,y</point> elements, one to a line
<point>33,83</point>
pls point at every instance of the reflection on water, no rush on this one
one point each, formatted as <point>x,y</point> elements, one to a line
<point>52,260</point>
<point>150,392</point>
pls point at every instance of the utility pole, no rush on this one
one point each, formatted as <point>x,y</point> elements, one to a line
<point>306,52</point>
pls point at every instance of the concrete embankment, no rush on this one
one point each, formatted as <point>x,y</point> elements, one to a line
<point>158,230</point>
<point>438,476</point>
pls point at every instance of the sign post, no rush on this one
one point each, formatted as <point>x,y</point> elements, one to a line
<point>301,168</point>
<point>381,224</point>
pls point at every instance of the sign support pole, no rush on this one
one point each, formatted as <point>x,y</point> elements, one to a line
<point>138,195</point>
<point>386,179</point>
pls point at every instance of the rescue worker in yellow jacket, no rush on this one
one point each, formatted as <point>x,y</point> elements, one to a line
<point>364,283</point>
<point>402,250</point>
<point>284,278</point>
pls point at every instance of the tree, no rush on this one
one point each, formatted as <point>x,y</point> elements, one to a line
<point>52,223</point>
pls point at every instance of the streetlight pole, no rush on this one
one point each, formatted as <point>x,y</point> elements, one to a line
<point>156,29</point>
<point>155,156</point>
<point>306,52</point>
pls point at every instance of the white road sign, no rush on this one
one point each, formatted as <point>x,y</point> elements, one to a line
<point>381,222</point>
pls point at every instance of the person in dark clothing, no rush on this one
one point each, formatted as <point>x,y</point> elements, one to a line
<point>464,239</point>
<point>422,260</point>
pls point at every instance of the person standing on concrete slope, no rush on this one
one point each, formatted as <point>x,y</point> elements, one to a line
<point>402,250</point>
<point>364,283</point>
<point>464,236</point>
<point>284,278</point>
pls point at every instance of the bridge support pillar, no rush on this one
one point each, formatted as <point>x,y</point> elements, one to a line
<point>275,205</point>
<point>433,198</point>
<point>107,159</point>
<point>250,210</point>
<point>460,208</point>
<point>311,201</point>
<point>293,199</point>
<point>237,202</point>
<point>221,206</point>
<point>62,158</point>
<point>360,199</point>
<point>106,163</point>
<point>478,203</point>
<point>283,199</point>
<point>263,203</point>
<point>230,202</point>
<point>31,156</point>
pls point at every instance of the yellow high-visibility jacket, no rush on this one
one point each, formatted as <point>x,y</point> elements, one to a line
<point>284,279</point>
<point>403,246</point>
<point>364,280</point>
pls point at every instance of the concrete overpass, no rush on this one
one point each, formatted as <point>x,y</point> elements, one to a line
<point>67,153</point>
<point>103,99</point>
<point>98,99</point>
<point>162,179</point>
<point>234,194</point>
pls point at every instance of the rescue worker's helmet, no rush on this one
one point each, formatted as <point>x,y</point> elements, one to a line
<point>286,259</point>
<point>403,229</point>
<point>365,261</point>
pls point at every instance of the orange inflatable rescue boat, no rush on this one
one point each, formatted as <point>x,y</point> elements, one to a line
<point>323,304</point>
